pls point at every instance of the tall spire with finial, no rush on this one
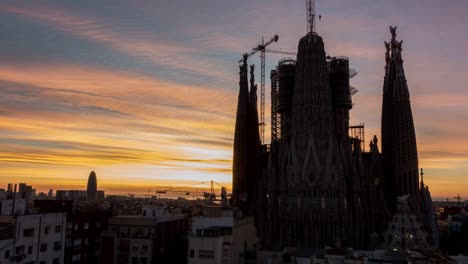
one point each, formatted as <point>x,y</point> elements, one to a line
<point>241,140</point>
<point>422,178</point>
<point>399,150</point>
<point>246,142</point>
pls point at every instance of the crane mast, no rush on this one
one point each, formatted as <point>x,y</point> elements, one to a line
<point>262,48</point>
<point>262,93</point>
<point>310,6</point>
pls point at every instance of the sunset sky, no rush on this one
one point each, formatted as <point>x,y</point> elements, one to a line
<point>144,92</point>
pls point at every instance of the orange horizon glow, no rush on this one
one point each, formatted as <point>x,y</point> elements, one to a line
<point>145,95</point>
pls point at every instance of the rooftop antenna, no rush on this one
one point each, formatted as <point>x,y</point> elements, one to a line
<point>310,6</point>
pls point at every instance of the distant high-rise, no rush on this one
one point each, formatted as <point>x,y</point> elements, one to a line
<point>91,190</point>
<point>25,191</point>
<point>400,155</point>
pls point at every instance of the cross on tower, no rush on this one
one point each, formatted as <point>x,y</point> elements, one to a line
<point>422,178</point>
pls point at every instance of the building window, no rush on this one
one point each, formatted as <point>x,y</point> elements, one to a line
<point>19,250</point>
<point>192,253</point>
<point>145,248</point>
<point>135,247</point>
<point>86,226</point>
<point>134,260</point>
<point>55,261</point>
<point>58,228</point>
<point>30,250</point>
<point>43,247</point>
<point>144,260</point>
<point>42,262</point>
<point>7,254</point>
<point>205,254</point>
<point>46,230</point>
<point>76,258</point>
<point>57,246</point>
<point>29,232</point>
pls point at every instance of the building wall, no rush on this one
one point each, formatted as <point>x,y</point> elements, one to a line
<point>38,238</point>
<point>209,250</point>
<point>132,242</point>
<point>228,247</point>
<point>139,239</point>
<point>243,238</point>
<point>107,248</point>
<point>74,195</point>
<point>7,206</point>
<point>152,210</point>
<point>6,241</point>
<point>201,222</point>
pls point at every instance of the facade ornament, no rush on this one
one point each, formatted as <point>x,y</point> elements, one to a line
<point>393,31</point>
<point>387,53</point>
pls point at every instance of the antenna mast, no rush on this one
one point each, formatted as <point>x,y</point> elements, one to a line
<point>310,6</point>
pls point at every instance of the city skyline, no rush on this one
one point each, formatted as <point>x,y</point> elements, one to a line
<point>146,96</point>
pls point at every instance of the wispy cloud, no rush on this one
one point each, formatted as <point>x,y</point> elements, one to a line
<point>154,98</point>
<point>156,50</point>
<point>109,124</point>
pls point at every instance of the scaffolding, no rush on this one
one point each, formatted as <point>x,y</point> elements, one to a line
<point>275,116</point>
<point>356,132</point>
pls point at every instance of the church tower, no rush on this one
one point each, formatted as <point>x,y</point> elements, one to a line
<point>400,156</point>
<point>247,146</point>
<point>315,204</point>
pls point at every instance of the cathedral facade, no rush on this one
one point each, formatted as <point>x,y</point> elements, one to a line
<point>314,186</point>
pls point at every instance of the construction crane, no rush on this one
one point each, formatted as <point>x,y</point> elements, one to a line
<point>458,198</point>
<point>281,52</point>
<point>181,190</point>
<point>262,48</point>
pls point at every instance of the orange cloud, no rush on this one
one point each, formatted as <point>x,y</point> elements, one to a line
<point>117,118</point>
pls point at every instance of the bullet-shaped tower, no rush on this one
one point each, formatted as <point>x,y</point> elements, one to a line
<point>91,190</point>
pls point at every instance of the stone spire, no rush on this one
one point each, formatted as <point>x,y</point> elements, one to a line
<point>400,157</point>
<point>240,155</point>
<point>247,145</point>
<point>254,111</point>
<point>314,205</point>
<point>254,146</point>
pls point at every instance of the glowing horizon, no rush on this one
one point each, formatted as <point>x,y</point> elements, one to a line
<point>144,92</point>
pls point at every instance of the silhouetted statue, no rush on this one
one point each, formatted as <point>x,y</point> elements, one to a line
<point>374,148</point>
<point>393,31</point>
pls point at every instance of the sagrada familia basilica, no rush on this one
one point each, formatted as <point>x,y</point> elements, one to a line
<point>314,185</point>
